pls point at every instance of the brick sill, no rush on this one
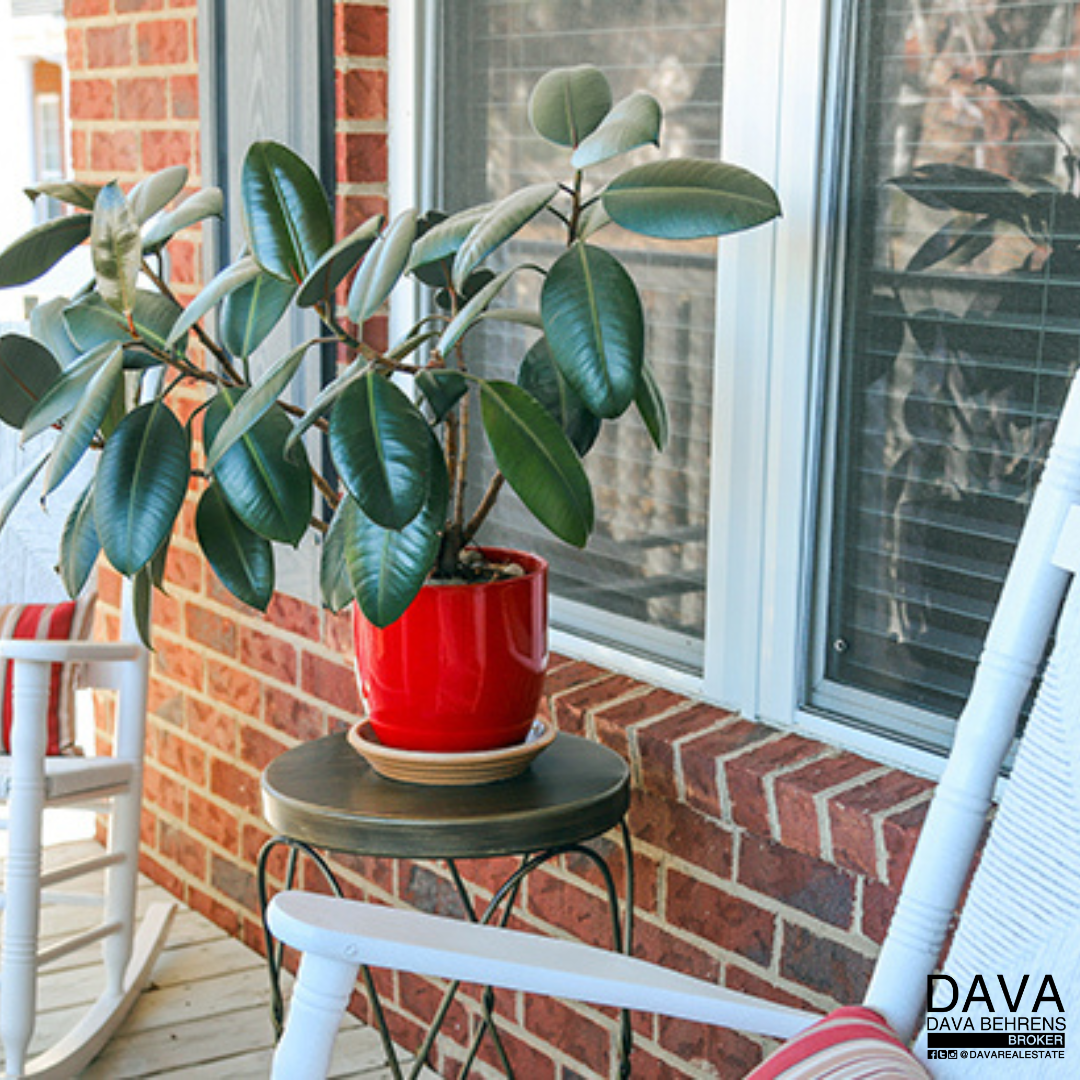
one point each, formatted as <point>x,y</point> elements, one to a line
<point>785,788</point>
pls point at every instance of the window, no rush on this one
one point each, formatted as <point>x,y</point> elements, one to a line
<point>871,413</point>
<point>956,331</point>
<point>641,581</point>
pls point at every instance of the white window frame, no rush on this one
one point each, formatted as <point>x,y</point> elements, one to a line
<point>779,98</point>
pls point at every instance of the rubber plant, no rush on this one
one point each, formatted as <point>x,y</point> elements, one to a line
<point>395,419</point>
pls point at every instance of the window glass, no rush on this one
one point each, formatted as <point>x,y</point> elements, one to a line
<point>957,331</point>
<point>646,560</point>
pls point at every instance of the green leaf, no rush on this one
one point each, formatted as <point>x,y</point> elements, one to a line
<point>538,461</point>
<point>967,190</point>
<point>73,192</point>
<point>443,240</point>
<point>442,388</point>
<point>685,198</point>
<point>65,392</point>
<point>387,567</point>
<point>379,443</point>
<point>324,400</point>
<point>472,311</point>
<point>140,485</point>
<point>79,543</point>
<point>155,192</point>
<point>593,218</point>
<point>286,214</point>
<point>500,223</point>
<point>142,604</point>
<point>650,406</point>
<point>270,493</point>
<point>41,249</point>
<point>635,121</point>
<point>520,316</point>
<point>382,267</point>
<point>92,322</point>
<point>329,272</point>
<point>27,370</point>
<point>595,327</point>
<point>568,104</point>
<point>116,247</point>
<point>955,239</point>
<point>251,312</point>
<point>13,492</point>
<point>334,582</point>
<point>83,422</point>
<point>210,202</point>
<point>255,403</point>
<point>47,326</point>
<point>226,281</point>
<point>541,378</point>
<point>242,560</point>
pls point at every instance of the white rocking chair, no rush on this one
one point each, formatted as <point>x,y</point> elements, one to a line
<point>30,784</point>
<point>1027,888</point>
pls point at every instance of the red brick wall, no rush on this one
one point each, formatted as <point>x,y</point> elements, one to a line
<point>763,859</point>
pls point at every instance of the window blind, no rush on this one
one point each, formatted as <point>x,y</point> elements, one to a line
<point>646,559</point>
<point>957,330</point>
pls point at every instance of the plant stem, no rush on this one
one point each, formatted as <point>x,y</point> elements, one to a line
<point>485,507</point>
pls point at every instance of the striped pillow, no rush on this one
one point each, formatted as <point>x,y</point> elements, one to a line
<point>854,1043</point>
<point>71,620</point>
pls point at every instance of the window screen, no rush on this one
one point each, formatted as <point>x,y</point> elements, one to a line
<point>958,327</point>
<point>646,559</point>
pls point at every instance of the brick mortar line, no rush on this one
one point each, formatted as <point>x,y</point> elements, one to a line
<point>120,125</point>
<point>768,783</point>
<point>370,126</point>
<point>635,692</point>
<point>345,62</point>
<point>878,820</point>
<point>822,798</point>
<point>634,732</point>
<point>722,793</point>
<point>119,73</point>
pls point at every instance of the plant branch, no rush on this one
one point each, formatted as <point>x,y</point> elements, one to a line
<point>485,507</point>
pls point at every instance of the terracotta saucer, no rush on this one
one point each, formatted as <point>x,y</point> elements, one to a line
<point>456,770</point>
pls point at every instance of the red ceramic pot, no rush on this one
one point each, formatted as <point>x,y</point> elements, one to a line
<point>463,668</point>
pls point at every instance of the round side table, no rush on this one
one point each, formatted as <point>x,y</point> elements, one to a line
<point>322,795</point>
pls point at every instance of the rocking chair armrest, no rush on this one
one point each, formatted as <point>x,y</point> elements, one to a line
<point>357,933</point>
<point>79,652</point>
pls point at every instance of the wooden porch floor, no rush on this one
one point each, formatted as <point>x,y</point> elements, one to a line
<point>205,1013</point>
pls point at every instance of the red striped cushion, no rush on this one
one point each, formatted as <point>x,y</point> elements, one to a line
<point>853,1043</point>
<point>70,620</point>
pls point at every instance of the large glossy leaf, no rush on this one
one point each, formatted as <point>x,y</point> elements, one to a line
<point>242,560</point>
<point>210,202</point>
<point>142,604</point>
<point>251,312</point>
<point>685,198</point>
<point>83,421</point>
<point>155,192</point>
<point>116,247</point>
<point>595,327</point>
<point>255,403</point>
<point>79,543</point>
<point>651,407</point>
<point>970,191</point>
<point>568,104</point>
<point>324,400</point>
<point>42,248</point>
<point>230,279</point>
<point>635,121</point>
<point>91,322</point>
<point>47,325</point>
<point>383,265</point>
<point>329,272</point>
<point>75,193</point>
<point>442,388</point>
<point>472,311</point>
<point>140,485</point>
<point>270,492</point>
<point>442,241</point>
<point>27,370</point>
<point>379,443</point>
<point>334,582</point>
<point>286,214</point>
<point>500,223</point>
<point>541,378</point>
<point>387,567</point>
<point>538,461</point>
<point>65,392</point>
<point>13,492</point>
